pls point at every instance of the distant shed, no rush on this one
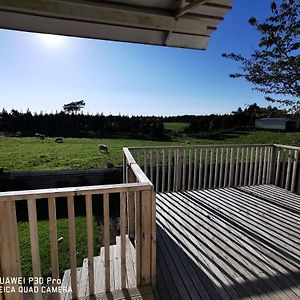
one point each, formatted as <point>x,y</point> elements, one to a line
<point>277,124</point>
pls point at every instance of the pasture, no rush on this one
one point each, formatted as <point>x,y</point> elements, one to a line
<point>31,154</point>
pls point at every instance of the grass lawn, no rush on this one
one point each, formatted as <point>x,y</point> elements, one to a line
<point>31,154</point>
<point>63,246</point>
<point>176,126</point>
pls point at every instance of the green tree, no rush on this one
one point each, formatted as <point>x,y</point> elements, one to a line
<point>274,68</point>
<point>73,107</point>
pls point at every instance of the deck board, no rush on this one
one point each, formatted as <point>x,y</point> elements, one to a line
<point>229,243</point>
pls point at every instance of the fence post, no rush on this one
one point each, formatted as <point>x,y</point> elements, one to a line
<point>272,166</point>
<point>146,258</point>
<point>9,248</point>
<point>130,205</point>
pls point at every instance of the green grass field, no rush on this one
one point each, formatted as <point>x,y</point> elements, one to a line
<point>63,245</point>
<point>31,154</point>
<point>176,126</point>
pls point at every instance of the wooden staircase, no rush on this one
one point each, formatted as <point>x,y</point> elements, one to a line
<point>99,276</point>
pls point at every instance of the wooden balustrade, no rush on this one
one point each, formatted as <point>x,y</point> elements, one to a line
<point>215,166</point>
<point>10,264</point>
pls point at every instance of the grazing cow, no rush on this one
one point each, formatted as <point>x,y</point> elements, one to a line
<point>103,148</point>
<point>59,140</point>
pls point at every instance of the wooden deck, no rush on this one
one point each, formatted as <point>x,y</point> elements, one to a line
<point>228,243</point>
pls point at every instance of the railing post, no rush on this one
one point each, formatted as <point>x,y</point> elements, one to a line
<point>130,205</point>
<point>272,166</point>
<point>9,248</point>
<point>146,258</point>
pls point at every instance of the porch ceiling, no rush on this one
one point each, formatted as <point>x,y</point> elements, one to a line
<point>175,23</point>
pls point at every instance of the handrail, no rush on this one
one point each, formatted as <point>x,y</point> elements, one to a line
<point>74,191</point>
<point>286,147</point>
<point>138,172</point>
<point>200,146</point>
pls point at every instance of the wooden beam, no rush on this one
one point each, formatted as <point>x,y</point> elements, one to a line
<point>189,7</point>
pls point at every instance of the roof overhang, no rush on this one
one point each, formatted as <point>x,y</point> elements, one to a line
<point>175,23</point>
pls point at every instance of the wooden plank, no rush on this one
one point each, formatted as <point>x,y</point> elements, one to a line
<point>90,242</point>
<point>216,169</point>
<point>231,167</point>
<point>250,179</point>
<point>255,166</point>
<point>130,206</point>
<point>183,169</point>
<point>157,172</point>
<point>221,169</point>
<point>53,240</point>
<point>72,245</point>
<point>246,177</point>
<point>210,181</point>
<point>241,174</point>
<point>190,170</point>
<point>34,243</point>
<point>264,172</point>
<point>295,166</point>
<point>106,239</point>
<point>288,171</point>
<point>9,249</point>
<point>123,239</point>
<point>278,168</point>
<point>259,181</point>
<point>169,171</point>
<point>151,165</point>
<point>163,180</point>
<point>205,168</point>
<point>79,191</point>
<point>195,169</point>
<point>138,237</point>
<point>237,168</point>
<point>153,238</point>
<point>146,237</point>
<point>200,170</point>
<point>179,169</point>
<point>226,168</point>
<point>175,167</point>
<point>145,163</point>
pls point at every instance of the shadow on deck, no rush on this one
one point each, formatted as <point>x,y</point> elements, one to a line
<point>228,243</point>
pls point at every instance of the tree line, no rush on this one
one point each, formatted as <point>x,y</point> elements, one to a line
<point>80,125</point>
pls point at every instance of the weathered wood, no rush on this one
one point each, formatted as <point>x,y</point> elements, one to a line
<point>106,239</point>
<point>205,169</point>
<point>241,175</point>
<point>53,240</point>
<point>237,168</point>
<point>146,198</point>
<point>189,186</point>
<point>200,170</point>
<point>72,245</point>
<point>221,168</point>
<point>123,239</point>
<point>216,169</point>
<point>288,171</point>
<point>211,163</point>
<point>130,206</point>
<point>183,169</point>
<point>231,168</point>
<point>34,242</point>
<point>195,169</point>
<point>169,171</point>
<point>90,243</point>
<point>138,238</point>
<point>153,238</point>
<point>163,179</point>
<point>226,168</point>
<point>295,166</point>
<point>157,171</point>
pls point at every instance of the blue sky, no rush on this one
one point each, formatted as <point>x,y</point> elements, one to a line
<point>128,78</point>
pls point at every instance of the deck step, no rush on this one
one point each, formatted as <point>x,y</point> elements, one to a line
<point>99,277</point>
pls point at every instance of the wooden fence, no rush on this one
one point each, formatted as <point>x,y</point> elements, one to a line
<point>215,166</point>
<point>142,220</point>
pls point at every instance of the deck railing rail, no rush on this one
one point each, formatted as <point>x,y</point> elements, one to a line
<point>141,219</point>
<point>213,166</point>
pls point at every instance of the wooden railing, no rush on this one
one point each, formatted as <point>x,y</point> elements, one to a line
<point>286,170</point>
<point>215,166</point>
<point>139,223</point>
